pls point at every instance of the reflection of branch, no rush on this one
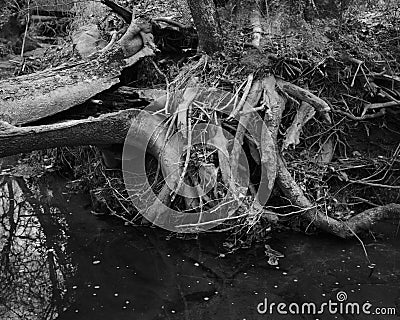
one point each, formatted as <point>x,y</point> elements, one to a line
<point>5,254</point>
<point>56,290</point>
<point>54,252</point>
<point>44,216</point>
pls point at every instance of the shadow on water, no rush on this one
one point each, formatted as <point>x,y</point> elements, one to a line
<point>58,261</point>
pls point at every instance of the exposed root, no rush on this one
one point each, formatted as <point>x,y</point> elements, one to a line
<point>320,105</point>
<point>344,229</point>
<point>218,140</point>
<point>252,100</point>
<point>275,105</point>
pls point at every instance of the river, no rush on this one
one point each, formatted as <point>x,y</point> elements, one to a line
<point>59,261</point>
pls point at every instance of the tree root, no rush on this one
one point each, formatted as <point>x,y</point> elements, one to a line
<point>275,105</point>
<point>320,105</point>
<point>343,229</point>
<point>252,99</point>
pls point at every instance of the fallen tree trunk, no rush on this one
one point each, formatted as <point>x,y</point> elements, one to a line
<point>35,96</point>
<point>148,133</point>
<point>107,129</point>
<point>29,98</point>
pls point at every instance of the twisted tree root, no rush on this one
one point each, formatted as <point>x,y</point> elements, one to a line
<point>275,105</point>
<point>344,229</point>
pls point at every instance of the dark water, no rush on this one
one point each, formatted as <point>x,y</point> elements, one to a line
<point>58,261</point>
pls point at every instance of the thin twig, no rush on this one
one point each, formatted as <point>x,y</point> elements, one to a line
<point>212,221</point>
<point>378,185</point>
<point>381,113</point>
<point>167,83</point>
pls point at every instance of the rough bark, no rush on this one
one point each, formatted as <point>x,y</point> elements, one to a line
<point>206,20</point>
<point>32,97</point>
<point>29,98</point>
<point>106,129</point>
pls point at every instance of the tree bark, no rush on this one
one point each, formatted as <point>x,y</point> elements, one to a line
<point>207,24</point>
<point>106,129</point>
<point>35,96</point>
<point>32,97</point>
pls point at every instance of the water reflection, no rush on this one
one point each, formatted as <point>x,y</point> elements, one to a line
<point>34,263</point>
<point>60,261</point>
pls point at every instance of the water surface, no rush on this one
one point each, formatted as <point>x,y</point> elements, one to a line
<point>58,261</point>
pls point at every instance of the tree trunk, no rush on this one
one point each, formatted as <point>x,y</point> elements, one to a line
<point>206,20</point>
<point>35,96</point>
<point>106,129</point>
<point>32,97</point>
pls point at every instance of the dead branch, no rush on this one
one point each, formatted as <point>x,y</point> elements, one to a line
<point>372,184</point>
<point>380,113</point>
<point>124,13</point>
<point>171,22</point>
<point>320,105</point>
<point>237,108</point>
<point>371,106</point>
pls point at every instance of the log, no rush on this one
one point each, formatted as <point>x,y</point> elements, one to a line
<point>35,96</point>
<point>107,129</point>
<point>32,97</point>
<point>147,132</point>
